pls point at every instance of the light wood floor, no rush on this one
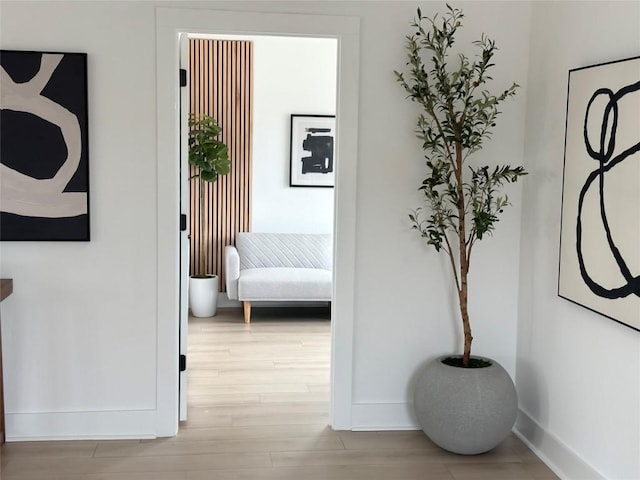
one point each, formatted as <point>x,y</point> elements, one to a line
<point>258,410</point>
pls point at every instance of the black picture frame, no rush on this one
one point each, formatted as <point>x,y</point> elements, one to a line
<point>44,146</point>
<point>599,260</point>
<point>312,151</point>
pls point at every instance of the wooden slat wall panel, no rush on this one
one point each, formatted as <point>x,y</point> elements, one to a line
<point>221,85</point>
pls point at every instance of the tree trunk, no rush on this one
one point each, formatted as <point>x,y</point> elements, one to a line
<point>464,313</point>
<point>464,260</point>
<point>203,242</point>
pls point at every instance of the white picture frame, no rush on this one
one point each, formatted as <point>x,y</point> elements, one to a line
<point>313,152</point>
<point>600,228</point>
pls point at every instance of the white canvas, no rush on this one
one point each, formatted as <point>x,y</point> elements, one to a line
<point>600,235</point>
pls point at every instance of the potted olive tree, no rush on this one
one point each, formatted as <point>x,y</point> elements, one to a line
<point>211,158</point>
<point>465,404</point>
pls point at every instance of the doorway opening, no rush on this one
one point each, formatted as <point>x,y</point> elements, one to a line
<point>170,23</point>
<point>264,82</point>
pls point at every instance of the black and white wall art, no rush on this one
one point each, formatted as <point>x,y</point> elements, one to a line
<point>600,231</point>
<point>44,158</point>
<point>312,151</point>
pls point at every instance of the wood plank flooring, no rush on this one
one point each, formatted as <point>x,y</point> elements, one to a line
<point>258,410</point>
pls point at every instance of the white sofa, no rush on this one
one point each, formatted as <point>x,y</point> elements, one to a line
<point>279,267</point>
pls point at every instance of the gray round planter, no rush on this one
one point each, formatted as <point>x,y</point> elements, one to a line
<point>465,410</point>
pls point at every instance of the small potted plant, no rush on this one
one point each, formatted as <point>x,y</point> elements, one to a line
<point>211,158</point>
<point>465,404</point>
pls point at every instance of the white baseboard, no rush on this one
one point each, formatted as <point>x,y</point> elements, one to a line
<point>559,457</point>
<point>383,416</point>
<point>108,425</point>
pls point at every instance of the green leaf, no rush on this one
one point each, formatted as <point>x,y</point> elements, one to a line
<point>207,153</point>
<point>457,114</point>
<point>208,176</point>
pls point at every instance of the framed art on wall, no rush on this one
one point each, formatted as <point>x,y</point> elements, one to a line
<point>312,151</point>
<point>600,227</point>
<point>44,158</point>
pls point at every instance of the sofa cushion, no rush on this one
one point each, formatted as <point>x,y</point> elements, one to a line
<point>284,284</point>
<point>289,250</point>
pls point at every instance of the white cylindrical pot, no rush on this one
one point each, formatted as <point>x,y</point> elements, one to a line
<point>465,410</point>
<point>203,295</point>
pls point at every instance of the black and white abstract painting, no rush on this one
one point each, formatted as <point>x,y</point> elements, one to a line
<point>312,151</point>
<point>44,158</point>
<point>600,231</point>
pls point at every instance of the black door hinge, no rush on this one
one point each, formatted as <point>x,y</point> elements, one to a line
<point>183,363</point>
<point>183,77</point>
<point>183,222</point>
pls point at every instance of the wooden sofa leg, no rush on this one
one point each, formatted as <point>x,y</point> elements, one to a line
<point>247,311</point>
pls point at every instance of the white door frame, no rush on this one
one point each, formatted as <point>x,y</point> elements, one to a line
<point>183,247</point>
<point>170,22</point>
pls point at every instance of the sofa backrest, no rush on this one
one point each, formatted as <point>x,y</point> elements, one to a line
<point>293,250</point>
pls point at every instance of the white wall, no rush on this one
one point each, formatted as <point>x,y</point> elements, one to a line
<point>97,300</point>
<point>406,309</point>
<point>578,373</point>
<point>81,326</point>
<point>79,331</point>
<point>291,76</point>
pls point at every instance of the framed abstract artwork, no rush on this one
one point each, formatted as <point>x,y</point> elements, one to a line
<point>312,151</point>
<point>600,227</point>
<point>44,157</point>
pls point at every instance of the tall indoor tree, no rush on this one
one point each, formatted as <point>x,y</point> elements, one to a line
<point>210,157</point>
<point>462,203</point>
